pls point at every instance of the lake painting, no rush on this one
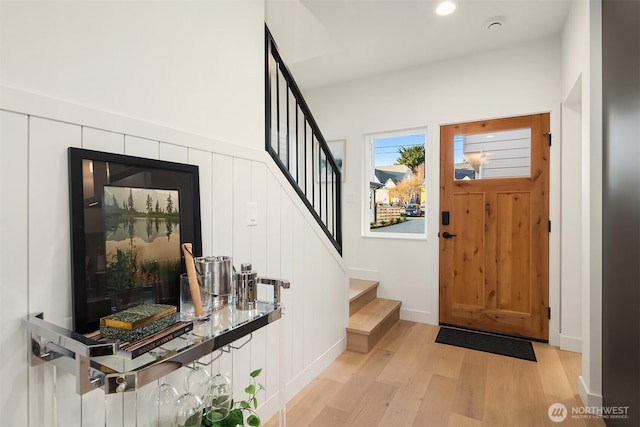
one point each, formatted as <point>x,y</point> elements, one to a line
<point>142,244</point>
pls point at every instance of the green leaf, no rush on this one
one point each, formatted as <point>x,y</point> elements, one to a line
<point>255,373</point>
<point>261,387</point>
<point>255,402</point>
<point>245,404</point>
<point>213,417</point>
<point>251,389</point>
<point>235,418</point>
<point>206,422</point>
<point>253,420</point>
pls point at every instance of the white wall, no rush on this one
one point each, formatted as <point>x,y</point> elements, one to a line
<point>575,54</point>
<point>582,66</point>
<point>178,64</point>
<point>571,260</point>
<point>70,80</point>
<point>506,82</point>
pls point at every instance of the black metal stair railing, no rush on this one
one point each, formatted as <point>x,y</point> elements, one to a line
<point>295,143</point>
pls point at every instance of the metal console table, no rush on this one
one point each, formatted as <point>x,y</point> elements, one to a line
<point>99,365</point>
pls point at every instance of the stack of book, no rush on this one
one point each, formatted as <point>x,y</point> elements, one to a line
<point>142,328</point>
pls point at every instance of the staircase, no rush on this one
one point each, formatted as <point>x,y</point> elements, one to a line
<point>370,317</point>
<point>296,145</point>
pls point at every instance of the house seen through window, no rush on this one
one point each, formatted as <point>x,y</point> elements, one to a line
<point>396,184</point>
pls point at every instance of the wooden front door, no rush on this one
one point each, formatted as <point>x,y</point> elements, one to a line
<point>494,225</point>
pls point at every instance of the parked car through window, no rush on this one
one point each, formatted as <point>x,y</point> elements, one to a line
<point>412,210</point>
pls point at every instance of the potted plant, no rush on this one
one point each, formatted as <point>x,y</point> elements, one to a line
<point>240,413</point>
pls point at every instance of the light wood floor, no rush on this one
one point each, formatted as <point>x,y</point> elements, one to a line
<point>409,380</point>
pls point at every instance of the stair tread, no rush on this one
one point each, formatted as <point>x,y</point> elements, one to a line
<point>371,315</point>
<point>359,287</point>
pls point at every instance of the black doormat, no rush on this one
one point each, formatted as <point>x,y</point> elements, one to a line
<point>489,343</point>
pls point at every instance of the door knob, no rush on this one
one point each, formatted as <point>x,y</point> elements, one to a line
<point>448,235</point>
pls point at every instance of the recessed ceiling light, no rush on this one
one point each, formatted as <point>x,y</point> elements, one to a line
<point>445,8</point>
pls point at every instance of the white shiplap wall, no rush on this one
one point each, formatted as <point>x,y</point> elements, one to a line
<point>35,258</point>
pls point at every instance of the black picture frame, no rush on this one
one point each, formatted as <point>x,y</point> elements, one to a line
<point>94,174</point>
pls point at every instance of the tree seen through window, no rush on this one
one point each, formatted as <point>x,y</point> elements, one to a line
<point>397,193</point>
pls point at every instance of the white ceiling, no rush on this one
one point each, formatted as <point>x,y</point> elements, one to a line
<point>329,41</point>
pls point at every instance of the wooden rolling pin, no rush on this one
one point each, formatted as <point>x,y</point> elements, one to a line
<point>193,279</point>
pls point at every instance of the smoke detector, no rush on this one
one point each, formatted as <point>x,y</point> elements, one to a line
<point>495,24</point>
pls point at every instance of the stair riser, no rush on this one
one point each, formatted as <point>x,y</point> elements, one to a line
<point>363,300</point>
<point>363,343</point>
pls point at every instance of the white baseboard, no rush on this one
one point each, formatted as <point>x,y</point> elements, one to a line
<point>272,405</point>
<point>358,273</point>
<point>305,377</point>
<point>418,316</point>
<point>570,343</point>
<point>269,408</point>
<point>589,400</point>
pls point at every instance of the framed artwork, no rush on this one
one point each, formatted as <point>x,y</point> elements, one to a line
<point>337,149</point>
<point>129,216</point>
